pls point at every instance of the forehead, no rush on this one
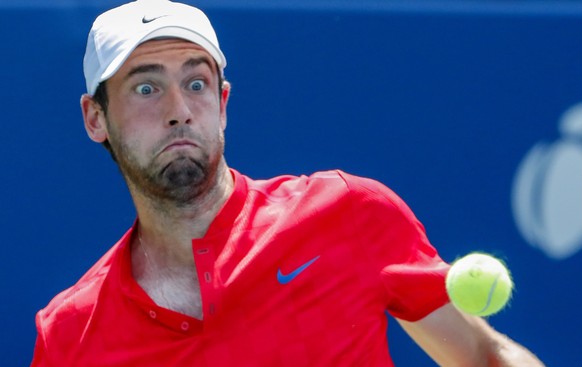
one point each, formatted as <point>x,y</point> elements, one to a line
<point>164,51</point>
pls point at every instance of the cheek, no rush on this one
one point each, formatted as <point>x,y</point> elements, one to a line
<point>127,140</point>
<point>132,120</point>
<point>207,106</point>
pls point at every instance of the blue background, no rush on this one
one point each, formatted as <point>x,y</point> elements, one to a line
<point>439,100</point>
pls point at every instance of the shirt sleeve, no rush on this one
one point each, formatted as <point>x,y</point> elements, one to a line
<point>411,272</point>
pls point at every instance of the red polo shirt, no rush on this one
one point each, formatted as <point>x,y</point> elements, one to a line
<point>294,271</point>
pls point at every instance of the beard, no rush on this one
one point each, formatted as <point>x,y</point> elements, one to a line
<point>180,180</point>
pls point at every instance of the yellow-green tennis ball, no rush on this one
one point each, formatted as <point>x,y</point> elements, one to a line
<point>479,284</point>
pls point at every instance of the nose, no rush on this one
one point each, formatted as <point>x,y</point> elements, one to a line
<point>177,110</point>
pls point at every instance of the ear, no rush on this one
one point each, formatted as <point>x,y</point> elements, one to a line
<point>94,118</point>
<point>223,102</point>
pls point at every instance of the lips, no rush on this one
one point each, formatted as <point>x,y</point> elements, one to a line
<point>180,144</point>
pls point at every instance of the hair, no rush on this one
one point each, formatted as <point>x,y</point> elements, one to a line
<point>101,98</point>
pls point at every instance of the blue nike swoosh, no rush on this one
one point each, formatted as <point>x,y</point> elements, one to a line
<point>286,278</point>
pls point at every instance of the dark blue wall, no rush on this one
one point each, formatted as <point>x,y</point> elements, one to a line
<point>441,101</point>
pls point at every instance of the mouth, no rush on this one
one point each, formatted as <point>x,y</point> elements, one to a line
<point>180,144</point>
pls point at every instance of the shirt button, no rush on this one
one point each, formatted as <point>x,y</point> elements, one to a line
<point>153,314</point>
<point>185,325</point>
<point>207,277</point>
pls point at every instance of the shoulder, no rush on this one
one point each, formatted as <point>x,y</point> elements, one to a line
<point>75,304</point>
<point>369,190</point>
<point>367,199</point>
<point>333,182</point>
<point>365,194</point>
<point>382,217</point>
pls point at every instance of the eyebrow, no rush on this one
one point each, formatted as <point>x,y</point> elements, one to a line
<point>195,61</point>
<point>147,68</point>
<point>159,68</point>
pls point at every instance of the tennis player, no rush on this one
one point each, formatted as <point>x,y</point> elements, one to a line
<point>223,270</point>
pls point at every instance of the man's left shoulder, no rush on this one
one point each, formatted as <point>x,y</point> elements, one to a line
<point>322,186</point>
<point>340,179</point>
<point>364,192</point>
<point>352,184</point>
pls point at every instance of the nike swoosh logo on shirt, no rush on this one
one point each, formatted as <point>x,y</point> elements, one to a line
<point>286,278</point>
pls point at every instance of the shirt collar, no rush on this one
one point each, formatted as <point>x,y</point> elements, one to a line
<point>222,224</point>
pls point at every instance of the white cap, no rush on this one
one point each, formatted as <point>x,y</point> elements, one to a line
<point>117,32</point>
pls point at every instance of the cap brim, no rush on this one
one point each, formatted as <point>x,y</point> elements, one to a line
<point>165,32</point>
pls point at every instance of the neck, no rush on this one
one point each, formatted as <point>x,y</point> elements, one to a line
<point>168,228</point>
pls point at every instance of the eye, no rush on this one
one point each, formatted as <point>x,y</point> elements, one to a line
<point>144,89</point>
<point>197,85</point>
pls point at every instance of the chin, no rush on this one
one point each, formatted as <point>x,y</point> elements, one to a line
<point>184,172</point>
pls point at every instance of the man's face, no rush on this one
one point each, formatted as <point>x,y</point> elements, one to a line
<point>166,119</point>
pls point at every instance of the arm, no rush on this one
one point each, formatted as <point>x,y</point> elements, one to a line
<point>452,338</point>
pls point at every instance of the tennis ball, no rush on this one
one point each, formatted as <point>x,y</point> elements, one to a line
<point>479,284</point>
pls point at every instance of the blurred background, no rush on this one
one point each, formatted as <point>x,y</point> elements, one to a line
<point>469,110</point>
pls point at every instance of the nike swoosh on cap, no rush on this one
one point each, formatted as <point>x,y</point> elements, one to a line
<point>147,20</point>
<point>286,278</point>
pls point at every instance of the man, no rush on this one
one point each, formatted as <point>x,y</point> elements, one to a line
<point>223,270</point>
